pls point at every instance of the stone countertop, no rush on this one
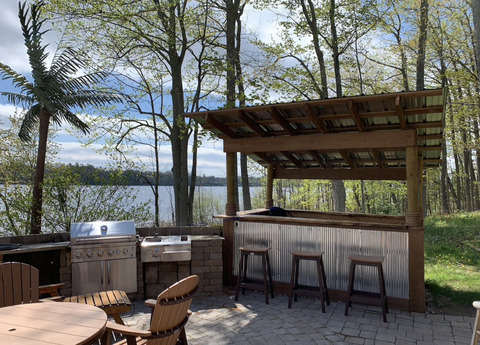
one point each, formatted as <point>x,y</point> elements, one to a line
<point>37,247</point>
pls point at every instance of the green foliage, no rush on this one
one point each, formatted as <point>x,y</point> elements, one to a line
<point>375,197</point>
<point>66,197</point>
<point>69,200</point>
<point>206,205</point>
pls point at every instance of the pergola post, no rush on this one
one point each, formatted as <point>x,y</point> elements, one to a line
<point>416,233</point>
<point>231,206</point>
<point>229,222</point>
<point>269,198</point>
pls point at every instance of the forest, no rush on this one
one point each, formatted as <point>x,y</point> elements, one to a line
<point>168,58</point>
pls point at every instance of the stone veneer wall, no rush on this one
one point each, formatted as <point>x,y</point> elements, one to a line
<point>207,262</point>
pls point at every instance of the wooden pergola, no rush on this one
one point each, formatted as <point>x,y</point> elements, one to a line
<point>391,136</point>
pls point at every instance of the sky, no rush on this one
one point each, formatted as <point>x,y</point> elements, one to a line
<point>211,159</point>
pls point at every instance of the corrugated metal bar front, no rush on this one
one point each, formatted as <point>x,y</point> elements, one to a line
<point>337,243</point>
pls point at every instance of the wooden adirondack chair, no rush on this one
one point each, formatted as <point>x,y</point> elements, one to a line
<point>169,317</point>
<point>19,284</point>
<point>476,325</point>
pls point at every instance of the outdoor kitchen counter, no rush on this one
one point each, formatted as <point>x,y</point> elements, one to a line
<point>205,237</point>
<point>36,247</point>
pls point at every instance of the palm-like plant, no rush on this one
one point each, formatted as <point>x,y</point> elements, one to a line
<point>51,96</point>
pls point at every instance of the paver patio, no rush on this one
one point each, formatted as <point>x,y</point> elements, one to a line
<point>218,319</point>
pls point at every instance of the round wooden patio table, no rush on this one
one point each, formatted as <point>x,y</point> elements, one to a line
<point>51,323</point>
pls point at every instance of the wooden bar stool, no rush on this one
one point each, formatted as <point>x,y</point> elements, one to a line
<point>306,290</point>
<point>244,282</point>
<point>366,297</point>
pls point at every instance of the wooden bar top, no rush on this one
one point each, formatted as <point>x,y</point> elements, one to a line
<point>325,219</point>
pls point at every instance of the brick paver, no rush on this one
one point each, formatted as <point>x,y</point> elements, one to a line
<point>219,320</point>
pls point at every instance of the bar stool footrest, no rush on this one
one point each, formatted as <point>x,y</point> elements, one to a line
<point>256,284</point>
<point>307,290</point>
<point>367,299</point>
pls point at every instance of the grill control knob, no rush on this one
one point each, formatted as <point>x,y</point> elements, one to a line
<point>118,251</point>
<point>78,255</point>
<point>125,251</point>
<point>90,254</point>
<point>100,253</point>
<point>111,252</point>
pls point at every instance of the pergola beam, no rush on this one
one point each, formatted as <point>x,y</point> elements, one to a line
<point>340,141</point>
<point>395,174</point>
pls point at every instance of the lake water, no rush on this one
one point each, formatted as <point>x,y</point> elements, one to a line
<point>209,200</point>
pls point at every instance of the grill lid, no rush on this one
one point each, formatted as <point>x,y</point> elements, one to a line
<point>101,228</point>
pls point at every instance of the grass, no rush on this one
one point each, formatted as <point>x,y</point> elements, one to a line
<point>452,262</point>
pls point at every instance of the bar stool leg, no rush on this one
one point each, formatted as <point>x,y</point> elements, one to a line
<point>350,286</point>
<point>324,278</point>
<point>297,271</point>
<point>269,271</point>
<point>320,284</point>
<point>265,283</point>
<point>381,282</point>
<point>239,278</point>
<point>292,282</point>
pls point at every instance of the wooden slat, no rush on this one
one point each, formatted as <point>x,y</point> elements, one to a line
<point>317,120</point>
<point>219,125</point>
<point>356,117</point>
<point>252,124</point>
<point>110,298</point>
<point>400,113</point>
<point>316,156</point>
<point>282,121</point>
<point>347,159</point>
<point>292,159</point>
<point>377,158</point>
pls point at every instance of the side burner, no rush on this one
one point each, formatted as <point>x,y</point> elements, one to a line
<point>166,248</point>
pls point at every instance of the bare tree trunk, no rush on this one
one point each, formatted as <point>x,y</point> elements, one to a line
<point>422,43</point>
<point>466,171</point>
<point>477,159</point>
<point>339,195</point>
<point>476,26</point>
<point>247,200</point>
<point>308,9</point>
<point>193,176</point>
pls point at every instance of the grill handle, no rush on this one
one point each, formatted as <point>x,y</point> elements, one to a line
<point>102,239</point>
<point>108,272</point>
<point>102,265</point>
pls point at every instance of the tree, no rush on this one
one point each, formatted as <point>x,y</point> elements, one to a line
<point>51,96</point>
<point>165,33</point>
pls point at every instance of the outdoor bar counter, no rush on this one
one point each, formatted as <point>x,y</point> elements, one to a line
<point>337,235</point>
<point>383,137</point>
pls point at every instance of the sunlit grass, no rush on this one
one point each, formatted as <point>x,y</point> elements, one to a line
<point>452,260</point>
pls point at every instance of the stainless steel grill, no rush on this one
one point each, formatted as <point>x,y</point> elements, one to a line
<point>103,256</point>
<point>166,248</point>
